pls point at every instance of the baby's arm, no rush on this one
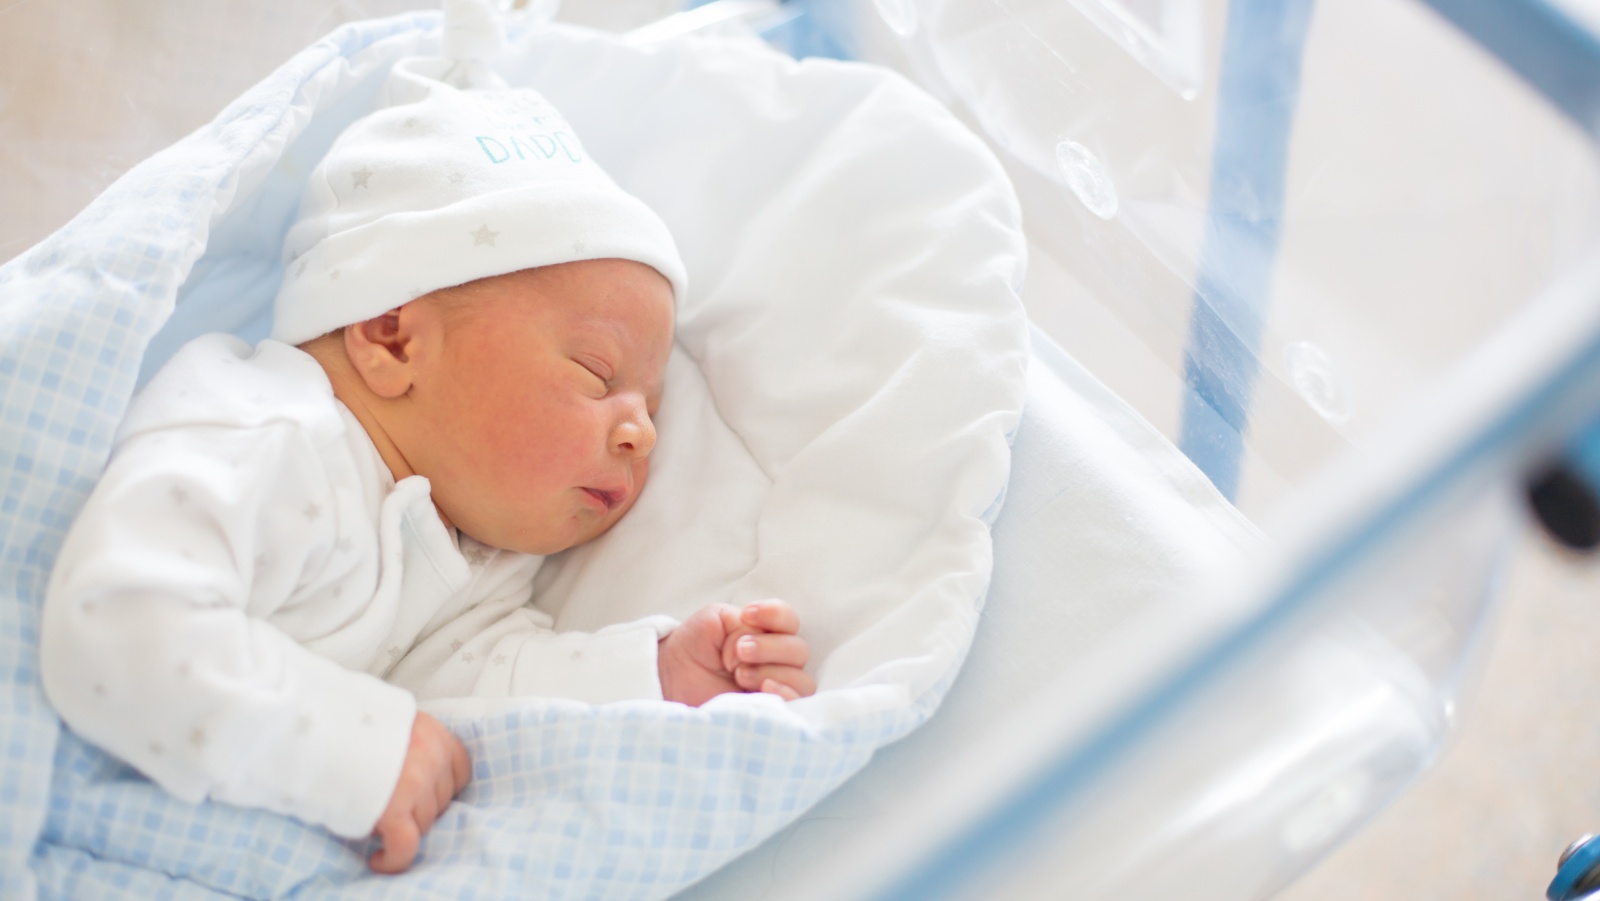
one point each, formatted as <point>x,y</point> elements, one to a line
<point>723,649</point>
<point>500,647</point>
<point>151,650</point>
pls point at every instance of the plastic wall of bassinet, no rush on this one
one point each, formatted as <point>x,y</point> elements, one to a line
<point>1401,373</point>
<point>1426,194</point>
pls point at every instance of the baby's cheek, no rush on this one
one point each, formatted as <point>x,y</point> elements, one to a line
<point>543,447</point>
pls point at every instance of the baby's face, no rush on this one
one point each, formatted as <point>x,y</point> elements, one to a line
<point>545,404</point>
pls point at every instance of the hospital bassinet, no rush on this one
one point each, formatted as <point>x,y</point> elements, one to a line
<point>1361,304</point>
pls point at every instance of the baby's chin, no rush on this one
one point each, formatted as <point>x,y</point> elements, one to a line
<point>563,535</point>
<point>595,530</point>
<point>578,534</point>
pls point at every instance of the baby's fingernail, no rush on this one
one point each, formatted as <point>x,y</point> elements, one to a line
<point>747,647</point>
<point>774,687</point>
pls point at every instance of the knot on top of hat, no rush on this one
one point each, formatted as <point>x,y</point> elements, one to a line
<point>472,31</point>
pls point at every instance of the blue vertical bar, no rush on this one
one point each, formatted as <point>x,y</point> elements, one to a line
<point>822,28</point>
<point>1257,92</point>
<point>1554,54</point>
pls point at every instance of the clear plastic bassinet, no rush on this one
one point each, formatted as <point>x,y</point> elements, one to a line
<point>1341,255</point>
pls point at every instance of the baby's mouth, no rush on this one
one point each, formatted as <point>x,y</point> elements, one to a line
<point>610,498</point>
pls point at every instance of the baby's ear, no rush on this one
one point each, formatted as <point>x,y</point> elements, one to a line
<point>384,349</point>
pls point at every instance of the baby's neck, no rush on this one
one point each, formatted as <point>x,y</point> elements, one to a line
<point>364,405</point>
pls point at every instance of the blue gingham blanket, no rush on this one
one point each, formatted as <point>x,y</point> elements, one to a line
<point>632,800</point>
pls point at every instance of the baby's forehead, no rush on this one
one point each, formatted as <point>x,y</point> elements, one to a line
<point>608,299</point>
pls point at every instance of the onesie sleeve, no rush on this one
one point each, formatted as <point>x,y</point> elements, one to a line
<point>500,646</point>
<point>521,656</point>
<point>155,644</point>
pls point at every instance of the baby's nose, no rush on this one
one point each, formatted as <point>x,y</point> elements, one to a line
<point>634,436</point>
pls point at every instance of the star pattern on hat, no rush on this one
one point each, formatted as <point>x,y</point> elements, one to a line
<point>483,236</point>
<point>358,178</point>
<point>457,178</point>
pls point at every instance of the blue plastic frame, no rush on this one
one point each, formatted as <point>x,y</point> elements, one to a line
<point>1550,50</point>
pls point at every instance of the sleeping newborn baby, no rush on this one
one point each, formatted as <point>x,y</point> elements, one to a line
<point>294,544</point>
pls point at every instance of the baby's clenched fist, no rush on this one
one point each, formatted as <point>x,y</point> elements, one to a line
<point>436,770</point>
<point>722,648</point>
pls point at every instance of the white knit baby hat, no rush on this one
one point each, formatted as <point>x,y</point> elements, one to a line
<point>454,177</point>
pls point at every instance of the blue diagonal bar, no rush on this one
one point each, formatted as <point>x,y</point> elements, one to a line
<point>1550,50</point>
<point>1257,92</point>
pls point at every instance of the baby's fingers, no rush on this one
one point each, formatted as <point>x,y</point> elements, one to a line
<point>774,687</point>
<point>400,840</point>
<point>460,767</point>
<point>770,616</point>
<point>771,679</point>
<point>773,647</point>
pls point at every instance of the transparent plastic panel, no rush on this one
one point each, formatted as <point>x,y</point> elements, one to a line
<point>1225,786</point>
<point>1427,194</point>
<point>1284,757</point>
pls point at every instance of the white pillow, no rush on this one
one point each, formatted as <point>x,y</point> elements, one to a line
<point>851,353</point>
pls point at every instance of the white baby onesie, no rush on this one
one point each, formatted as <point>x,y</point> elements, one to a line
<point>246,574</point>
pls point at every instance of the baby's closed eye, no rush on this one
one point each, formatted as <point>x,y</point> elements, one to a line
<point>597,370</point>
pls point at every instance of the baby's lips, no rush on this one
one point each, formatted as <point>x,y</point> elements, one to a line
<point>612,497</point>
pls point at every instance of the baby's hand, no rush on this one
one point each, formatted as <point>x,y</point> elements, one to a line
<point>722,648</point>
<point>436,769</point>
